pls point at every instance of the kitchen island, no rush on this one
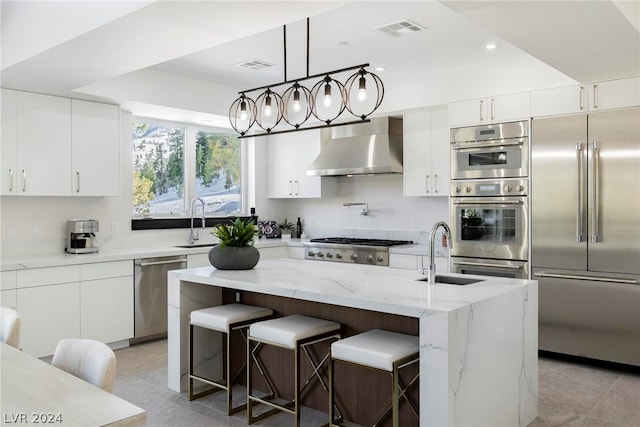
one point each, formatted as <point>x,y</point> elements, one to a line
<point>478,342</point>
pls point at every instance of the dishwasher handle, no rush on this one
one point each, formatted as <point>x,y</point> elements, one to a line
<point>143,263</point>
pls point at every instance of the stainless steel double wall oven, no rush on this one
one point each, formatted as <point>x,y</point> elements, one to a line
<point>489,199</point>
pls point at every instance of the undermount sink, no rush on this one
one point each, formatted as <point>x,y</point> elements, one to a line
<point>195,245</point>
<point>451,280</point>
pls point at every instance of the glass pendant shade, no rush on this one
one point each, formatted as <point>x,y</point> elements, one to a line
<point>242,114</point>
<point>363,98</point>
<point>327,101</point>
<point>296,105</point>
<point>268,110</point>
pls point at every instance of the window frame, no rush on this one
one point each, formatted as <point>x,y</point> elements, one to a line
<point>184,221</point>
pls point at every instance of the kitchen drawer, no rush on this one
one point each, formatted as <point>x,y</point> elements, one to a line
<point>8,280</point>
<point>48,276</point>
<point>104,270</point>
<point>296,252</point>
<point>8,298</point>
<point>198,260</point>
<point>409,262</point>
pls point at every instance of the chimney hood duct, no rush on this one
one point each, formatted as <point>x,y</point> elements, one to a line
<point>361,149</point>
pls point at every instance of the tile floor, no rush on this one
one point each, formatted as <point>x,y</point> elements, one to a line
<point>571,394</point>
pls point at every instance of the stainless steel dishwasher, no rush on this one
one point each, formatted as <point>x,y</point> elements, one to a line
<point>150,298</point>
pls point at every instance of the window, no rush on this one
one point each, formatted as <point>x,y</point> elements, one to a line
<point>218,172</point>
<point>174,163</point>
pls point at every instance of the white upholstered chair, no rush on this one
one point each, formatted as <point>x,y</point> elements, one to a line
<point>89,360</point>
<point>10,327</point>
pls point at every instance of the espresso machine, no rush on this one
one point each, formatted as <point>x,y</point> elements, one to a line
<point>81,236</point>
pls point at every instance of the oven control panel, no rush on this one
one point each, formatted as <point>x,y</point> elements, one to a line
<point>490,187</point>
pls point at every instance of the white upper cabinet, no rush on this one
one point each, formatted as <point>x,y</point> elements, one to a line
<point>426,165</point>
<point>495,109</point>
<point>95,143</point>
<point>613,94</point>
<point>9,160</point>
<point>290,155</point>
<point>607,95</point>
<point>54,146</point>
<point>43,144</point>
<point>561,100</point>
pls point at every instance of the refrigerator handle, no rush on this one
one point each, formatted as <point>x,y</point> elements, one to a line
<point>595,196</point>
<point>579,225</point>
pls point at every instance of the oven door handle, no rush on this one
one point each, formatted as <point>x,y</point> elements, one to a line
<point>488,202</point>
<point>483,264</point>
<point>496,144</point>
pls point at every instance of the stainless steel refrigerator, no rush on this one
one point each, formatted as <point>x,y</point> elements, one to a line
<point>585,233</point>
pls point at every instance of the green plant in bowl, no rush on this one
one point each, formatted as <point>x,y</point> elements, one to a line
<point>237,234</point>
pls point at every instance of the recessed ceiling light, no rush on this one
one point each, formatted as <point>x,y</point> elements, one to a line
<point>491,46</point>
<point>379,68</point>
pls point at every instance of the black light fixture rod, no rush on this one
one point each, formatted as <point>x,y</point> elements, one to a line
<point>307,47</point>
<point>305,128</point>
<point>305,78</point>
<point>284,33</point>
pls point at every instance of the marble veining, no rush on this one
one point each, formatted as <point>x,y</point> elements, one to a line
<point>478,342</point>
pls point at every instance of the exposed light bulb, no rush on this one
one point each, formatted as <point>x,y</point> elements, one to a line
<point>243,111</point>
<point>267,106</point>
<point>296,101</point>
<point>362,89</point>
<point>326,101</point>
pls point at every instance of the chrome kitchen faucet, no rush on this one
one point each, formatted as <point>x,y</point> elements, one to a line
<point>432,251</point>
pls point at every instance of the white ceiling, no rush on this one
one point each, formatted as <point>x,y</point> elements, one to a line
<point>175,59</point>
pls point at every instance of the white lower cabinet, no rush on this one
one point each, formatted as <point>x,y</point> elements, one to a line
<point>274,252</point>
<point>8,289</point>
<point>47,315</point>
<point>75,301</point>
<point>198,260</point>
<point>106,301</point>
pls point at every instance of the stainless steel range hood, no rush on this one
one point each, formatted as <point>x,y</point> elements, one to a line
<point>361,149</point>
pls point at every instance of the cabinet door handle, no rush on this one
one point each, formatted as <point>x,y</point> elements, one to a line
<point>290,188</point>
<point>481,103</point>
<point>491,109</point>
<point>435,183</point>
<point>295,187</point>
<point>595,96</point>
<point>77,182</point>
<point>581,93</point>
<point>426,184</point>
<point>11,180</point>
<point>24,180</point>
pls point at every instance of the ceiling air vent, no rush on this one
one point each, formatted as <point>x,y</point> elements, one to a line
<point>255,64</point>
<point>397,29</point>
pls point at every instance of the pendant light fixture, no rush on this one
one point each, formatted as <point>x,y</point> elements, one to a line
<point>360,95</point>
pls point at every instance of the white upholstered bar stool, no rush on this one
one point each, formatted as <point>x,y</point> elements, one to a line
<point>224,319</point>
<point>382,350</point>
<point>293,333</point>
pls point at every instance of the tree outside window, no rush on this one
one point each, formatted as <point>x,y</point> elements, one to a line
<point>158,170</point>
<point>159,188</point>
<point>218,172</point>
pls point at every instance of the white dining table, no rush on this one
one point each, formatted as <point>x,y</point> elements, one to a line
<point>35,392</point>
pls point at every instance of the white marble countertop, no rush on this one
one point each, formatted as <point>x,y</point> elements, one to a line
<point>383,289</point>
<point>119,254</point>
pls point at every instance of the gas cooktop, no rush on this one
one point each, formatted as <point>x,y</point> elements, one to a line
<point>351,250</point>
<point>360,241</point>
